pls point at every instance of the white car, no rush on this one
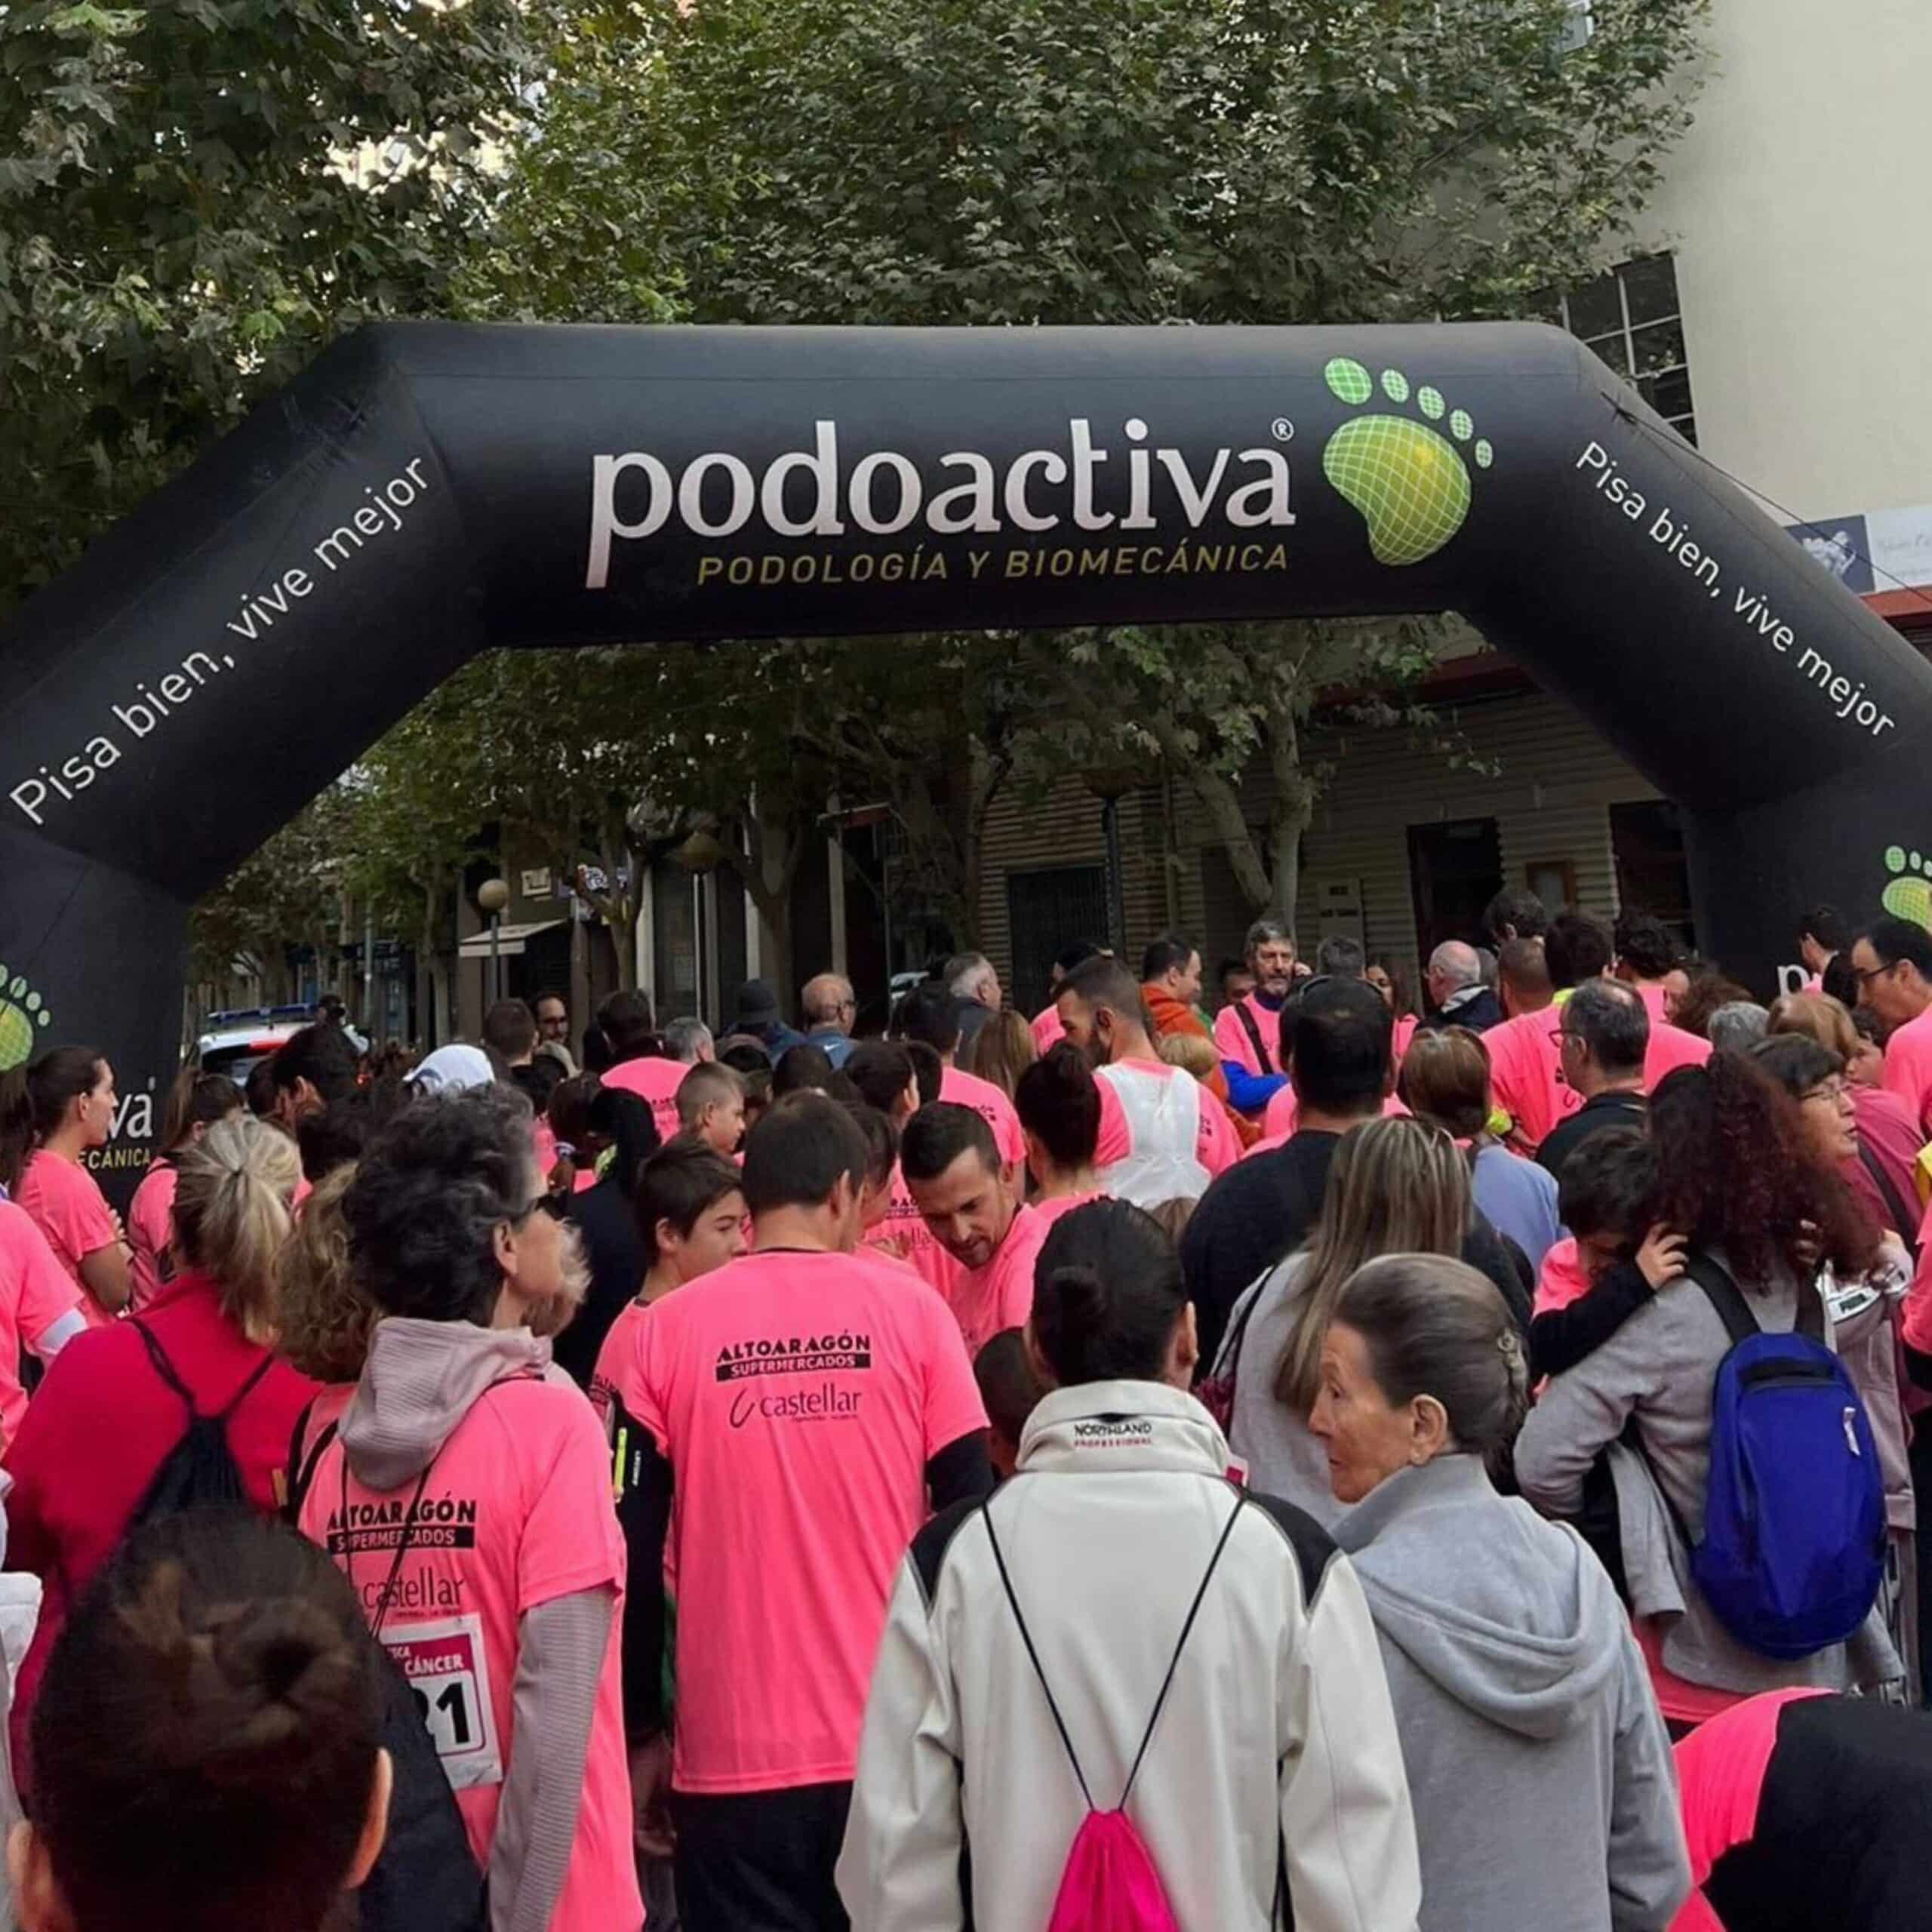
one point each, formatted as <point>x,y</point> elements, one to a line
<point>236,1043</point>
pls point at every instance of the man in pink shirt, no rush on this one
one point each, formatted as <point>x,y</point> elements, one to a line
<point>1248,1033</point>
<point>1646,956</point>
<point>644,1063</point>
<point>971,1204</point>
<point>930,1014</point>
<point>1047,1030</point>
<point>795,1414</point>
<point>1163,1136</point>
<point>1893,959</point>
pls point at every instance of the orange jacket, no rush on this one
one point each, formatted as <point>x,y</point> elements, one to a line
<point>1166,1014</point>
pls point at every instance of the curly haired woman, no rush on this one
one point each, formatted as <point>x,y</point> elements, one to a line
<point>1739,1183</point>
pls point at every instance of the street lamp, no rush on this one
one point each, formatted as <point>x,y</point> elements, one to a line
<point>1109,784</point>
<point>492,896</point>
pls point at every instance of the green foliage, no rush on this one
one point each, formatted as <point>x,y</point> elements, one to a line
<point>1016,162</point>
<point>194,196</point>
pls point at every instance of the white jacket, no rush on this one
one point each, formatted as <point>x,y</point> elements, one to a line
<point>1276,1748</point>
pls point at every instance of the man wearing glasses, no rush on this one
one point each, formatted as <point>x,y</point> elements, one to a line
<point>1605,1036</point>
<point>830,1008</point>
<point>1893,959</point>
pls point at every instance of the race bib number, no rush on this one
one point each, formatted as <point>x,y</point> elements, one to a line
<point>445,1663</point>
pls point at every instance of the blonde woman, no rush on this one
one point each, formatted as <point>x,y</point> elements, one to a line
<point>118,1400</point>
<point>1395,1186</point>
<point>1001,1051</point>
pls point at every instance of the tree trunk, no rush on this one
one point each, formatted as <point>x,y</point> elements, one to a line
<point>774,847</point>
<point>1223,803</point>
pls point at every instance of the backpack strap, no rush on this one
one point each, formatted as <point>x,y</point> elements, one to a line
<point>1894,1205</point>
<point>1254,1032</point>
<point>1724,1295</point>
<point>303,1461</point>
<point>1173,1663</point>
<point>163,1367</point>
<point>247,1388</point>
<point>166,1371</point>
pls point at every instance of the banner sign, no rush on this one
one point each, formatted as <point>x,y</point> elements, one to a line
<point>426,491</point>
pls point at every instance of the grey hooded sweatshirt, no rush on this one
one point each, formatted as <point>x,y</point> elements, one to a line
<point>421,1379</point>
<point>1541,1771</point>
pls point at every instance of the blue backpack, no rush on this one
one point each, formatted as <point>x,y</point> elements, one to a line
<point>1794,1544</point>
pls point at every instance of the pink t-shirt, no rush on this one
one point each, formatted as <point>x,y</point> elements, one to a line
<point>1523,1076</point>
<point>1909,1066</point>
<point>1562,1278</point>
<point>1721,1770</point>
<point>1230,1036</point>
<point>150,1228</point>
<point>987,1301</point>
<point>798,1398</point>
<point>1050,1210</point>
<point>515,1512</point>
<point>904,1232</point>
<point>69,1209</point>
<point>655,1079</point>
<point>1403,1032</point>
<point>1047,1029</point>
<point>1283,1110</point>
<point>1670,1048</point>
<point>968,1090</point>
<point>34,1293</point>
<point>1652,994</point>
<point>1216,1145</point>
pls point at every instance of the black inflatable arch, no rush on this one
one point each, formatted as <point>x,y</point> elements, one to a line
<point>423,491</point>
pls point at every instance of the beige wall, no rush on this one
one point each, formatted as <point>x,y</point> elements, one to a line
<point>1798,209</point>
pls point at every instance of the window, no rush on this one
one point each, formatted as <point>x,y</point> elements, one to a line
<point>1630,319</point>
<point>1578,29</point>
<point>1049,910</point>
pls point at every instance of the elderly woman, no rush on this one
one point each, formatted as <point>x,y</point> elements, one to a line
<point>1538,1765</point>
<point>467,1498</point>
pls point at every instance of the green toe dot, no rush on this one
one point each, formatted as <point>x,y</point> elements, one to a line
<point>1484,455</point>
<point>1895,858</point>
<point>1429,401</point>
<point>1394,385</point>
<point>1348,379</point>
<point>1461,425</point>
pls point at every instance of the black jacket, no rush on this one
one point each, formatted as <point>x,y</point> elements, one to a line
<point>1478,1014</point>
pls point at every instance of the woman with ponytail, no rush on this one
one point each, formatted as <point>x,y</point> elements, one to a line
<point>209,1738</point>
<point>196,1101</point>
<point>119,1401</point>
<point>1539,1765</point>
<point>60,1109</point>
<point>1120,1629</point>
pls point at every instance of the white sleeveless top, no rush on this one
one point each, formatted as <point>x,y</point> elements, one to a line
<point>1163,1115</point>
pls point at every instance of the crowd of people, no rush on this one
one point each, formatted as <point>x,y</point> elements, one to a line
<point>1337,1460</point>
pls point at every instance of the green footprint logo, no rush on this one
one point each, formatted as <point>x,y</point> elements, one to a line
<point>22,1015</point>
<point>1909,894</point>
<point>1409,480</point>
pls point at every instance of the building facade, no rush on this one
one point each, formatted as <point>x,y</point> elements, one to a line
<point>1773,310</point>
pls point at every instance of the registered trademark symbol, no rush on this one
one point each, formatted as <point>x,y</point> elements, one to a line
<point>1284,430</point>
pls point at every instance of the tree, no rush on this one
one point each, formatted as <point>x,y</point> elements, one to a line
<point>288,895</point>
<point>1015,162</point>
<point>195,196</point>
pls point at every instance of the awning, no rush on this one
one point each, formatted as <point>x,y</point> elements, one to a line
<point>509,940</point>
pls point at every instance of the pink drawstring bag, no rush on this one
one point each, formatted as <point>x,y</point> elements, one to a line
<point>1109,1883</point>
